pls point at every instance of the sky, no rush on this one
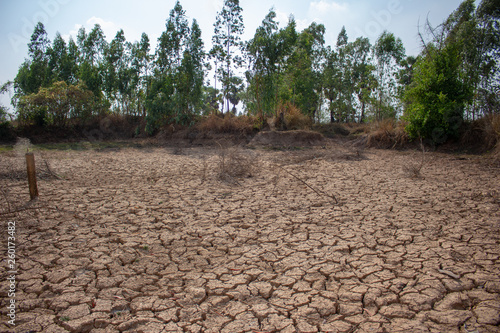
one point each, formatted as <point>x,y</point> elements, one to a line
<point>367,18</point>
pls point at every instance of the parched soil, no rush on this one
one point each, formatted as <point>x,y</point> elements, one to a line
<point>326,239</point>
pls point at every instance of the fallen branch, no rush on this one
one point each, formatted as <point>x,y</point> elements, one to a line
<point>52,173</point>
<point>449,273</point>
<point>318,192</point>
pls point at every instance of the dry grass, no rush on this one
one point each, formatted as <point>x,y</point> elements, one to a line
<point>387,133</point>
<point>235,163</point>
<point>291,118</point>
<point>228,124</point>
<point>483,133</point>
<point>413,168</point>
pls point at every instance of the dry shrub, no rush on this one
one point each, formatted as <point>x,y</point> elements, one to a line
<point>229,124</point>
<point>414,167</point>
<point>483,133</point>
<point>387,133</point>
<point>235,163</point>
<point>290,118</point>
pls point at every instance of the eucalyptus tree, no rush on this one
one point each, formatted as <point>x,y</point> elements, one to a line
<point>331,81</point>
<point>487,45</point>
<point>341,85</point>
<point>34,72</point>
<point>190,74</point>
<point>140,72</point>
<point>91,50</point>
<point>264,51</point>
<point>362,69</point>
<point>174,92</point>
<point>227,46</point>
<point>389,53</point>
<point>302,77</point>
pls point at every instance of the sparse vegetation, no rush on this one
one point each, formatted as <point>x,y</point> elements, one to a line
<point>235,163</point>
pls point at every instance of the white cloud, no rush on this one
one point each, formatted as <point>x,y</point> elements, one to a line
<point>73,33</point>
<point>282,18</point>
<point>326,7</point>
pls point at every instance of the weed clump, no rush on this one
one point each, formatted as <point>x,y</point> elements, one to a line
<point>289,117</point>
<point>387,133</point>
<point>227,124</point>
<point>234,163</point>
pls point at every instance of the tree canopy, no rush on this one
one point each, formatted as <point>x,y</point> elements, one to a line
<point>455,78</point>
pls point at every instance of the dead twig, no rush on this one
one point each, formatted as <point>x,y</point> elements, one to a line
<point>318,192</point>
<point>449,273</point>
<point>50,172</point>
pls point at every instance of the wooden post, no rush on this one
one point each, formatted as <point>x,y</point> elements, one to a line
<point>30,164</point>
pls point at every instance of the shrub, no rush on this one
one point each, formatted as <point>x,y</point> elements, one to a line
<point>229,124</point>
<point>56,104</point>
<point>437,96</point>
<point>483,133</point>
<point>387,133</point>
<point>290,118</point>
<point>235,163</point>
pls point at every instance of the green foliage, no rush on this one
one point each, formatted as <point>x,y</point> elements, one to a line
<point>390,53</point>
<point>456,73</point>
<point>56,105</point>
<point>175,92</point>
<point>456,76</point>
<point>437,95</point>
<point>284,68</point>
<point>227,44</point>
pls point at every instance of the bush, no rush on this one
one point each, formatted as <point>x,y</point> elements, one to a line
<point>437,96</point>
<point>290,118</point>
<point>483,133</point>
<point>236,163</point>
<point>57,104</point>
<point>387,133</point>
<point>228,124</point>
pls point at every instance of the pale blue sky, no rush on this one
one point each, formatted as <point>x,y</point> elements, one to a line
<point>360,17</point>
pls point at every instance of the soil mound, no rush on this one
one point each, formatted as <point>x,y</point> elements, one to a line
<point>297,138</point>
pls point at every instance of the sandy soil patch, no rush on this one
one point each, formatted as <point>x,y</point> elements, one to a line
<point>314,240</point>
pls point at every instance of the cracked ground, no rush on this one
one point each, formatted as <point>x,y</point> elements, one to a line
<point>313,240</point>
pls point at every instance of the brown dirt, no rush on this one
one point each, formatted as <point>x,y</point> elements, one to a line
<point>152,240</point>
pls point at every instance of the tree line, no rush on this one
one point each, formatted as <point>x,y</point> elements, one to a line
<point>455,77</point>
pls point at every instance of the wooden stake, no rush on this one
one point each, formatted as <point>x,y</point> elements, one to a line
<point>30,163</point>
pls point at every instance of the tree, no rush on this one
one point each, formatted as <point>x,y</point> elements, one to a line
<point>56,104</point>
<point>300,83</point>
<point>118,73</point>
<point>332,80</point>
<point>364,80</point>
<point>140,66</point>
<point>437,95</point>
<point>389,52</point>
<point>34,72</point>
<point>341,84</point>
<point>455,72</point>
<point>90,69</point>
<point>265,51</point>
<point>3,110</point>
<point>228,29</point>
<point>175,92</point>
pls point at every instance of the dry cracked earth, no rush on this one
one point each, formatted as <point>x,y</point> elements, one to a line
<point>313,240</point>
